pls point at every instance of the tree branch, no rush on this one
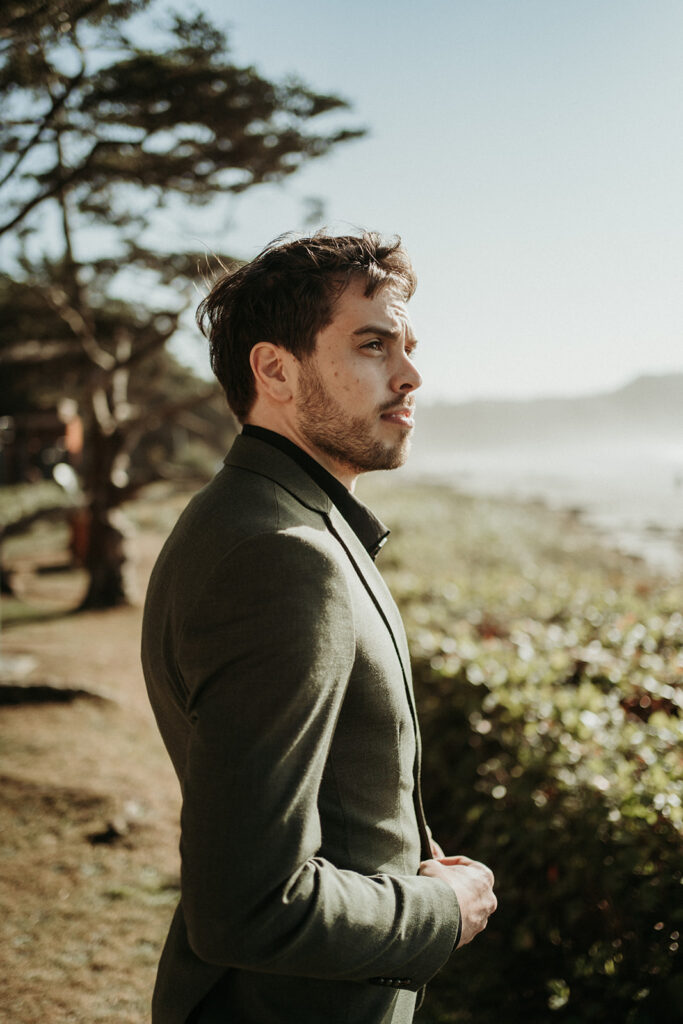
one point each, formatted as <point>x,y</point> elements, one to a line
<point>100,407</point>
<point>20,22</point>
<point>169,409</point>
<point>58,299</point>
<point>157,342</point>
<point>34,350</point>
<point>57,187</point>
<point>121,408</point>
<point>135,428</point>
<point>57,104</point>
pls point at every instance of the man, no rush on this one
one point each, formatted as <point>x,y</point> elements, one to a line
<point>277,666</point>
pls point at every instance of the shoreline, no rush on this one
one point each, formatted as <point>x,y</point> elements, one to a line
<point>630,493</point>
<point>655,544</point>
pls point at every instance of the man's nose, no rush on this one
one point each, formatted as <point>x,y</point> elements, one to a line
<point>406,378</point>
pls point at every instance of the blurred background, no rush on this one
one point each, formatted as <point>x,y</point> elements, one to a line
<point>530,155</point>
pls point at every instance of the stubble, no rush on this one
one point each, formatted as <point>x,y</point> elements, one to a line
<point>347,439</point>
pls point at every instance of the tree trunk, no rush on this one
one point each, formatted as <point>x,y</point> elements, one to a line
<point>107,560</point>
<point>105,532</point>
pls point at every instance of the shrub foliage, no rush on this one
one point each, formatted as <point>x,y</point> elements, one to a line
<point>549,676</point>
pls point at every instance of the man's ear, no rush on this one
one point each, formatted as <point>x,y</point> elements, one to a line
<point>272,369</point>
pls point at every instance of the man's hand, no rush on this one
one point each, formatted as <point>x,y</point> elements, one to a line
<point>472,883</point>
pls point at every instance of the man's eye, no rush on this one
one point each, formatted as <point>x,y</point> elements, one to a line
<point>376,345</point>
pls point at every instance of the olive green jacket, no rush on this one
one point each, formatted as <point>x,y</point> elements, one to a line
<point>278,670</point>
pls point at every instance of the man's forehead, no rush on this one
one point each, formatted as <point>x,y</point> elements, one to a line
<point>388,305</point>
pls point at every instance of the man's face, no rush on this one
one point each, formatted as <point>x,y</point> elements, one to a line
<point>354,401</point>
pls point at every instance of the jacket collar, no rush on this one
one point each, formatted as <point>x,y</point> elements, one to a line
<point>258,456</point>
<point>371,532</point>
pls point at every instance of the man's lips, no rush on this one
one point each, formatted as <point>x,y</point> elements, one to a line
<point>401,414</point>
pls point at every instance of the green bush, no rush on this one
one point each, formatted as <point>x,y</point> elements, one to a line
<point>549,677</point>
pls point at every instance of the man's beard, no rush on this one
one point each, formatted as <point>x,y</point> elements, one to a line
<point>347,439</point>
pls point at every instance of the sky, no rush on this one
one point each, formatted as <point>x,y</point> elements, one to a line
<point>528,152</point>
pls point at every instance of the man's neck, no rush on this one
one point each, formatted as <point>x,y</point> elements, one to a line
<point>345,474</point>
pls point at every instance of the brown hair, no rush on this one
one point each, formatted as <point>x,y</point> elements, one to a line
<point>286,295</point>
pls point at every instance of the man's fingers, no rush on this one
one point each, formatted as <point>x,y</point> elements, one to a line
<point>437,852</point>
<point>460,859</point>
<point>472,883</point>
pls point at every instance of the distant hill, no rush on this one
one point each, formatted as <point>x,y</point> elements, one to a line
<point>650,407</point>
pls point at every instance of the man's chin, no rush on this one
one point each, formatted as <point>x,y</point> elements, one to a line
<point>388,458</point>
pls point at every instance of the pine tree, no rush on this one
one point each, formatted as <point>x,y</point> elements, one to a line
<point>100,134</point>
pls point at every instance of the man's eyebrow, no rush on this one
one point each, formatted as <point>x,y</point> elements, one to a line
<point>385,332</point>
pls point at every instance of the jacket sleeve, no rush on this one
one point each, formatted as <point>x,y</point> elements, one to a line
<point>266,655</point>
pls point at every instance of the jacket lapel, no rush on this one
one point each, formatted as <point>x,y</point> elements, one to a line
<point>374,584</point>
<point>384,602</point>
<point>256,456</point>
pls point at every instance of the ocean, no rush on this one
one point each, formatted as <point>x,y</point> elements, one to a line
<point>630,492</point>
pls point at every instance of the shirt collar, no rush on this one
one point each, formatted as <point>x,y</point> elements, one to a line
<point>371,532</point>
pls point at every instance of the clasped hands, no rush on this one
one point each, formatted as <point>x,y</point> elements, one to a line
<point>471,881</point>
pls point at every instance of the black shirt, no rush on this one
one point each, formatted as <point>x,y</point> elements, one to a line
<point>371,532</point>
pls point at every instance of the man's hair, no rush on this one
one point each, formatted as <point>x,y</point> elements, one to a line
<point>287,295</point>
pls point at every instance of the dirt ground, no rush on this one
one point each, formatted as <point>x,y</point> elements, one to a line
<point>89,804</point>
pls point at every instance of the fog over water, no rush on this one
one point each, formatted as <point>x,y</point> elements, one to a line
<point>631,490</point>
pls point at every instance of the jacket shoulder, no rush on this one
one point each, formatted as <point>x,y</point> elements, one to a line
<point>237,511</point>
